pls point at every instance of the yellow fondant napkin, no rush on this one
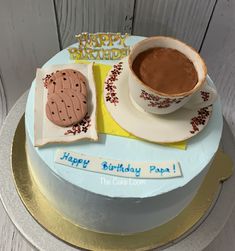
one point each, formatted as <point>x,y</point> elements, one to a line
<point>105,123</point>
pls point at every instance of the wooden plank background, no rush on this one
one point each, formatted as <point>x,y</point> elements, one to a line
<point>219,52</point>
<point>184,19</point>
<point>28,39</point>
<point>3,106</point>
<point>33,31</point>
<point>76,16</point>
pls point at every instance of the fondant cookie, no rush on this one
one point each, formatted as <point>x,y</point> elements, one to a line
<point>66,107</point>
<point>66,97</point>
<point>66,79</point>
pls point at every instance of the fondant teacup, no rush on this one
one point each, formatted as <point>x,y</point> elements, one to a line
<point>155,101</point>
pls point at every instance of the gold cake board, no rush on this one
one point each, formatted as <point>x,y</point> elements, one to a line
<point>52,221</point>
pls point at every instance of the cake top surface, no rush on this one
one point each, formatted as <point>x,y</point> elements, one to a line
<point>200,151</point>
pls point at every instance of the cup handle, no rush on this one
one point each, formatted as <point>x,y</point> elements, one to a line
<point>205,97</point>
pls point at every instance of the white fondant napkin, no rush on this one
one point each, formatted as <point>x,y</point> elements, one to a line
<point>45,131</point>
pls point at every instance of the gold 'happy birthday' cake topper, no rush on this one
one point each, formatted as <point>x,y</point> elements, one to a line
<point>100,46</point>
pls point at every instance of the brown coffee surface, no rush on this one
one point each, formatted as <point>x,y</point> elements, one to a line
<point>165,70</point>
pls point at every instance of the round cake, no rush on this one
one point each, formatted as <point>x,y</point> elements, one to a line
<point>112,204</point>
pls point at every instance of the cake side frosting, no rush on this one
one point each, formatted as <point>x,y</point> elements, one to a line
<point>105,214</point>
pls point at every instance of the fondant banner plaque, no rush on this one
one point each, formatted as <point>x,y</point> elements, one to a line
<point>129,169</point>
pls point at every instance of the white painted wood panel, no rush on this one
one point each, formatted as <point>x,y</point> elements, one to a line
<point>184,19</point>
<point>219,53</point>
<point>3,107</point>
<point>28,39</point>
<point>76,16</point>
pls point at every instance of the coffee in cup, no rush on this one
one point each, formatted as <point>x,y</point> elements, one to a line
<point>165,73</point>
<point>165,70</point>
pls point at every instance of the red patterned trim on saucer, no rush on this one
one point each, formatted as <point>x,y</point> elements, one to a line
<point>155,101</point>
<point>205,95</point>
<point>111,95</point>
<point>81,127</point>
<point>203,115</point>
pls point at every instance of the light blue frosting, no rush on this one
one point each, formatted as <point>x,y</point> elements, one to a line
<point>200,151</point>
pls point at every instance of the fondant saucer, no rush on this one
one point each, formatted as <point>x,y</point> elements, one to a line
<point>177,126</point>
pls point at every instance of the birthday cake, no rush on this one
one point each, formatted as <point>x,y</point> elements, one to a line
<point>101,160</point>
